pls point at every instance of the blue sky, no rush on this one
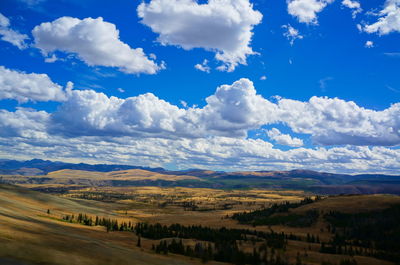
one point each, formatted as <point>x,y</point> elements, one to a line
<point>278,84</point>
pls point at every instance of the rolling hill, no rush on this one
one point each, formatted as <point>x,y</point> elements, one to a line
<point>30,235</point>
<point>45,173</point>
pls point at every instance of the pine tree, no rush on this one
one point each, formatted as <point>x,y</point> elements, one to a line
<point>298,259</point>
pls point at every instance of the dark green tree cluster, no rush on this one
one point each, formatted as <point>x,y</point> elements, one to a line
<point>374,233</point>
<point>264,216</point>
<point>312,239</point>
<point>102,196</point>
<point>158,231</point>
<point>341,262</point>
<point>221,251</point>
<point>109,224</point>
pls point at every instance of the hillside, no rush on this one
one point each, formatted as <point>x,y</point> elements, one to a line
<point>38,228</point>
<point>66,178</point>
<point>29,235</point>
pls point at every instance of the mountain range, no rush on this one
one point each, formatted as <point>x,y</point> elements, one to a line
<point>37,171</point>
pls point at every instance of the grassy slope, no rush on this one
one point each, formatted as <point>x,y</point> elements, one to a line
<point>92,178</point>
<point>28,234</point>
<point>353,203</point>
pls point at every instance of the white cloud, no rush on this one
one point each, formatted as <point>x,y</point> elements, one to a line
<point>94,41</point>
<point>216,153</point>
<point>4,21</point>
<point>51,59</point>
<point>323,82</point>
<point>183,103</point>
<point>355,6</point>
<point>393,54</point>
<point>393,89</point>
<point>222,26</point>
<point>306,10</point>
<point>23,122</point>
<point>231,111</point>
<point>332,121</point>
<point>263,78</point>
<point>87,112</point>
<point>203,66</point>
<point>291,34</point>
<point>146,130</point>
<point>389,19</point>
<point>369,44</point>
<point>32,3</point>
<point>284,139</point>
<point>10,35</point>
<point>24,87</point>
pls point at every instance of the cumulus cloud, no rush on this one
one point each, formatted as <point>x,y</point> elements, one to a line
<point>224,27</point>
<point>306,10</point>
<point>332,121</point>
<point>369,44</point>
<point>284,139</point>
<point>291,34</point>
<point>147,130</point>
<point>23,122</point>
<point>355,6</point>
<point>14,37</point>
<point>231,111</point>
<point>90,113</point>
<point>388,21</point>
<point>94,41</point>
<point>217,153</point>
<point>25,87</point>
<point>203,66</point>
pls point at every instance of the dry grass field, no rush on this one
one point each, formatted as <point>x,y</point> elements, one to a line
<point>30,235</point>
<point>156,204</point>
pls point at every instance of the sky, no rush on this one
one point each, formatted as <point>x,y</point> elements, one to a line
<point>218,84</point>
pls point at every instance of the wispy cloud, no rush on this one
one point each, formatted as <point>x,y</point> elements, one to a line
<point>392,54</point>
<point>393,89</point>
<point>323,82</point>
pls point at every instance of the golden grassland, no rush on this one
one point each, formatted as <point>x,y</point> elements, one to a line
<point>67,175</point>
<point>29,234</point>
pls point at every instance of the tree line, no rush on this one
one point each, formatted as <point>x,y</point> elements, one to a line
<point>374,233</point>
<point>264,216</point>
<point>222,252</point>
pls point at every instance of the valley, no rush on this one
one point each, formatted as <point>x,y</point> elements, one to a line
<point>54,221</point>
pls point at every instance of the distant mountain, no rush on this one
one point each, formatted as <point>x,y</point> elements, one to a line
<point>307,180</point>
<point>36,172</point>
<point>39,167</point>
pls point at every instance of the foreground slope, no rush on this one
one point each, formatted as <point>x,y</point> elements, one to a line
<point>29,235</point>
